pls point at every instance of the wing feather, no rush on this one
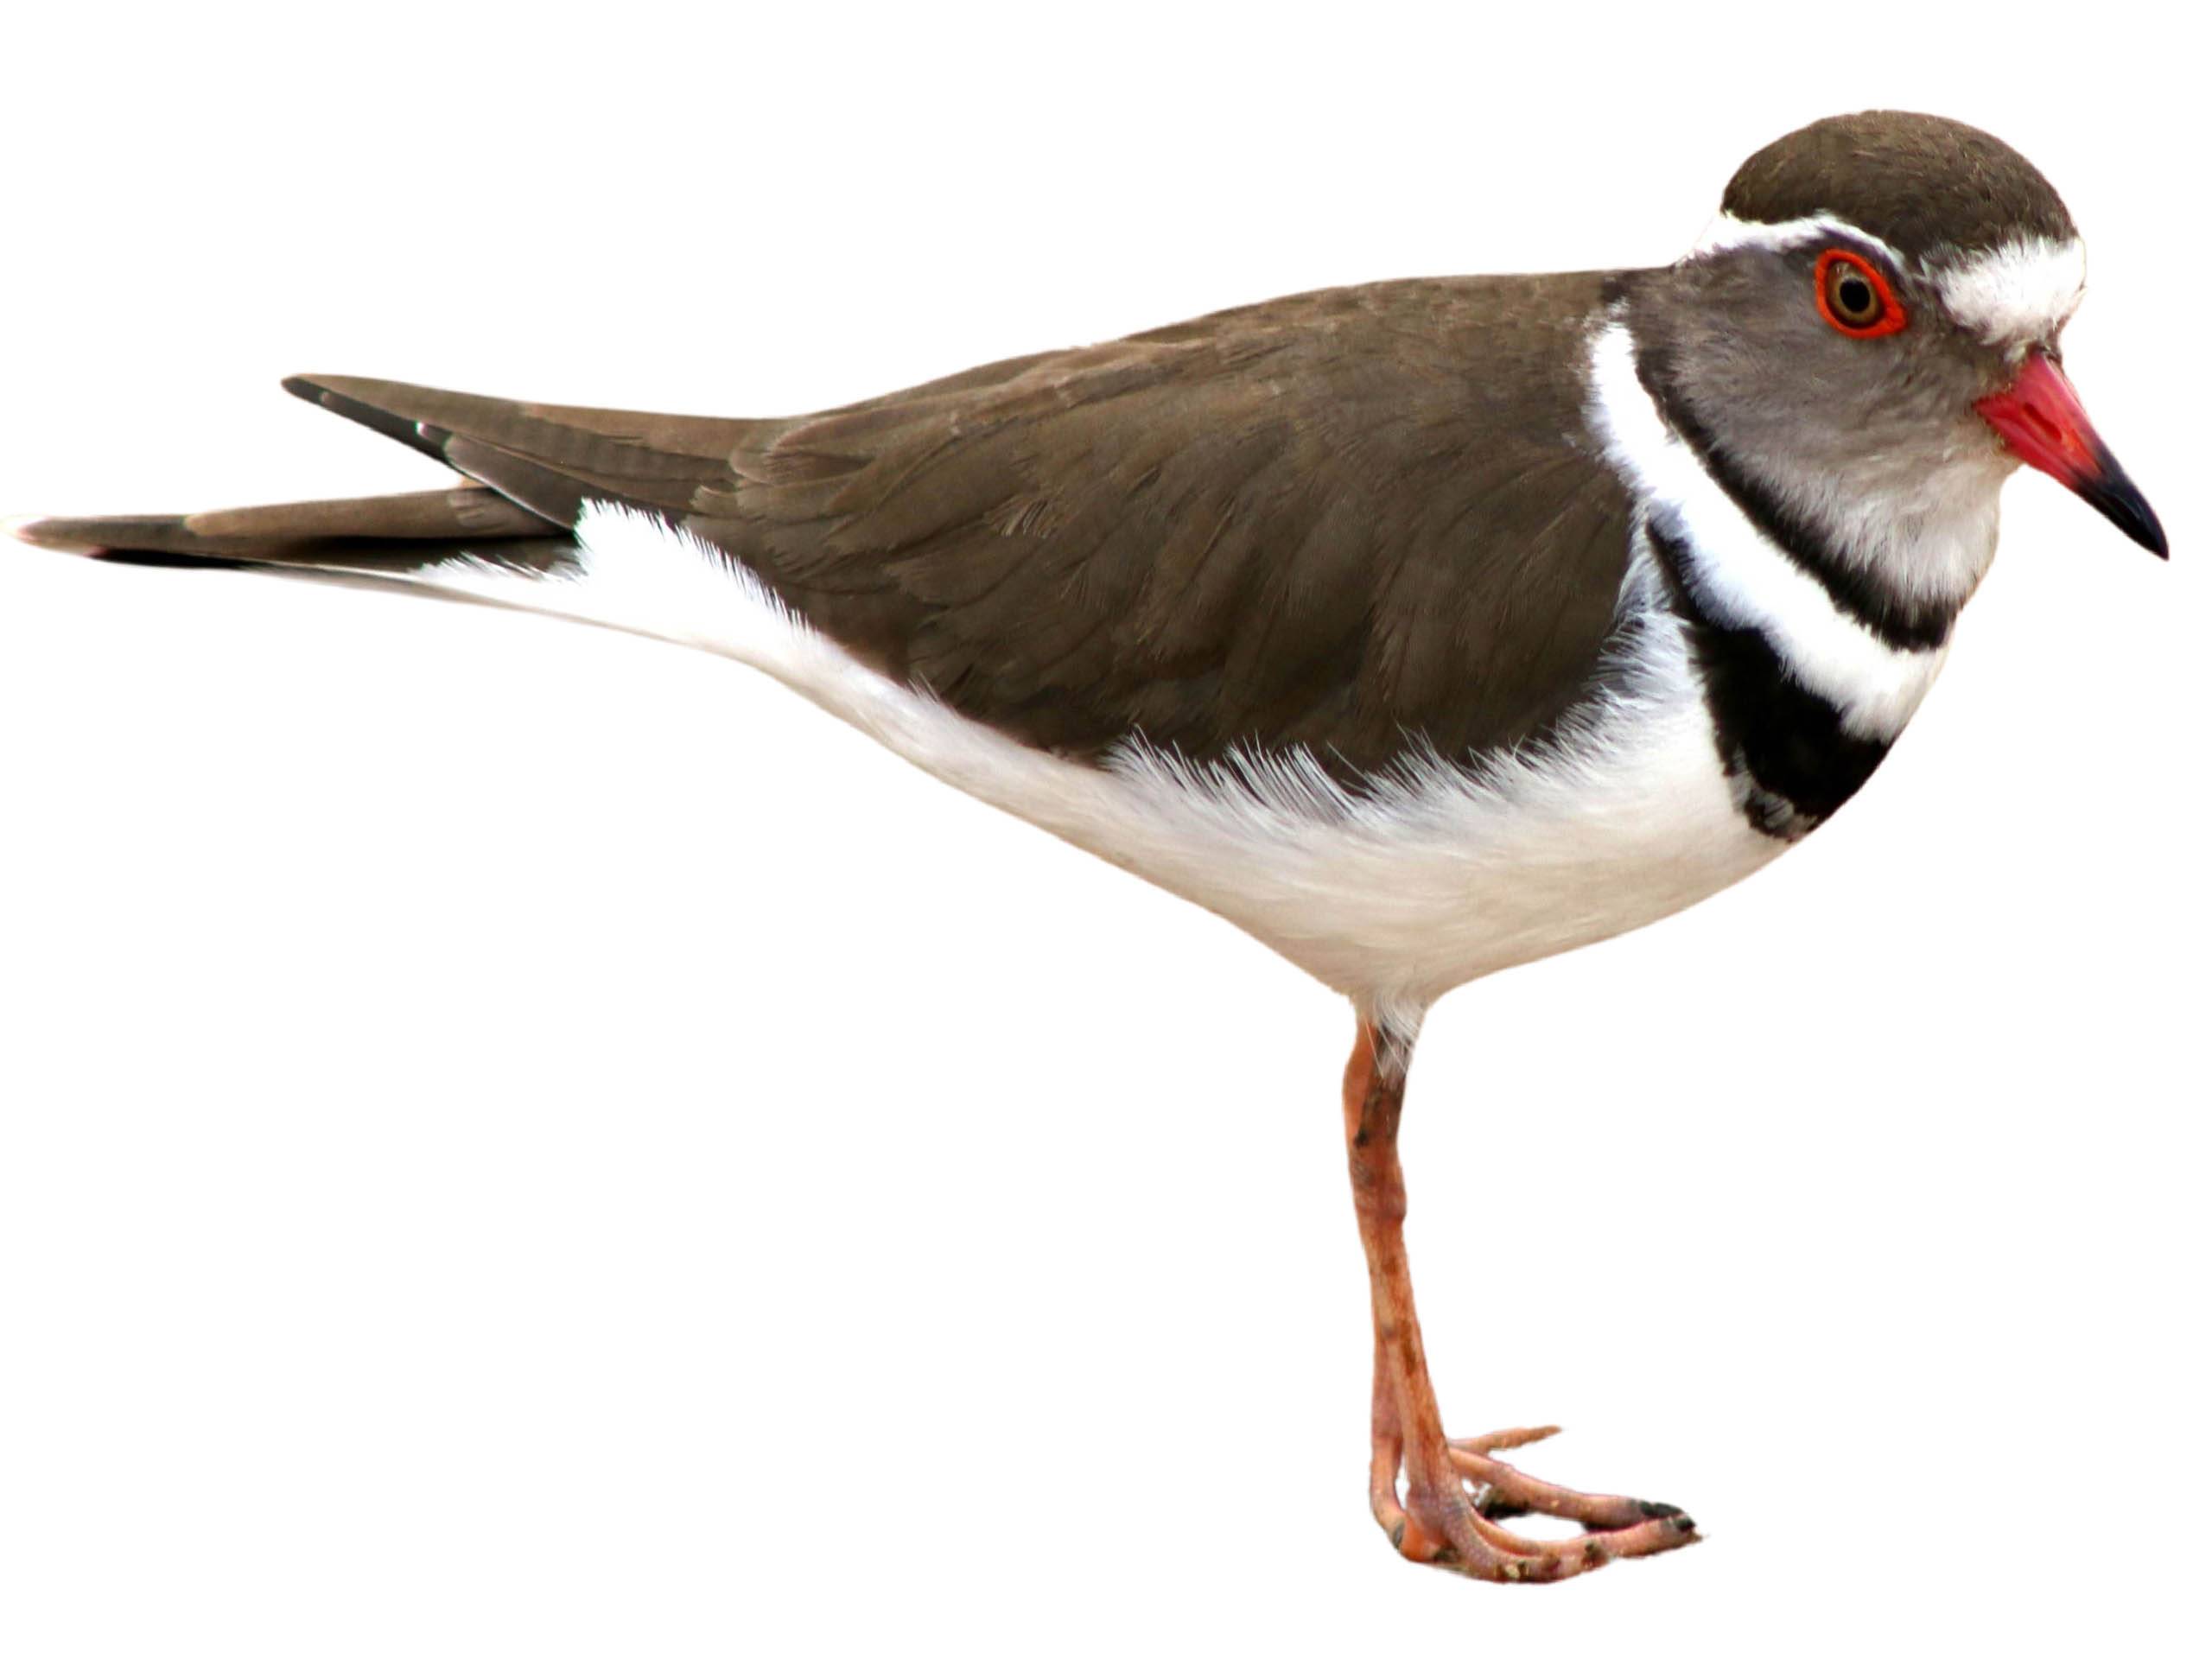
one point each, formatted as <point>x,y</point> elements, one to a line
<point>1359,521</point>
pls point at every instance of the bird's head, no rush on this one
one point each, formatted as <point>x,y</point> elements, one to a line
<point>1869,333</point>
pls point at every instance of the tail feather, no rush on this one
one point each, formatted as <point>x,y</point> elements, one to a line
<point>300,532</point>
<point>544,464</point>
<point>419,540</point>
<point>531,471</point>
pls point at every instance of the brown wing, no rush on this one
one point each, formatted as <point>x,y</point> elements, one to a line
<point>1354,520</point>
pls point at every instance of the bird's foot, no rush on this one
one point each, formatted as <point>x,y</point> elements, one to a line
<point>1450,1513</point>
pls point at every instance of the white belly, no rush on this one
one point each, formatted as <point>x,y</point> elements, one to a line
<point>1397,898</point>
<point>1393,898</point>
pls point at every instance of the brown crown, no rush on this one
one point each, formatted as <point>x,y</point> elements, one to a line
<point>1921,183</point>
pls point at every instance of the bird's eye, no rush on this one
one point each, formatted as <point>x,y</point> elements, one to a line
<point>1855,296</point>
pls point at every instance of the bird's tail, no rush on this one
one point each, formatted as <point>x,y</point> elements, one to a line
<point>618,568</point>
<point>419,540</point>
<point>567,512</point>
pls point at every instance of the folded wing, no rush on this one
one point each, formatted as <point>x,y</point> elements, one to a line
<point>1361,521</point>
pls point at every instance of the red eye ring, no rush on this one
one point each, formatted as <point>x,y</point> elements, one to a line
<point>1887,317</point>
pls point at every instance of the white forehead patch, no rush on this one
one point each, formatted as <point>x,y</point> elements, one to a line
<point>2017,294</point>
<point>1728,232</point>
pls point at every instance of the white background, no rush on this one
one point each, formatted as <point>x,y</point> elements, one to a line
<point>517,1139</point>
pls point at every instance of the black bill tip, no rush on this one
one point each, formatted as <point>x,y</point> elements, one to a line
<point>2112,492</point>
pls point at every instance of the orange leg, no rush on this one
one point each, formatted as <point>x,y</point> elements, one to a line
<point>1453,1488</point>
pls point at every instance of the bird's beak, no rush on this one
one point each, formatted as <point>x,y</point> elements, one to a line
<point>2042,420</point>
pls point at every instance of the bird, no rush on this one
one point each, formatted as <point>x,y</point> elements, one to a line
<point>1422,629</point>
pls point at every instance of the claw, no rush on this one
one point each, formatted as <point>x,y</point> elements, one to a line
<point>1452,1521</point>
